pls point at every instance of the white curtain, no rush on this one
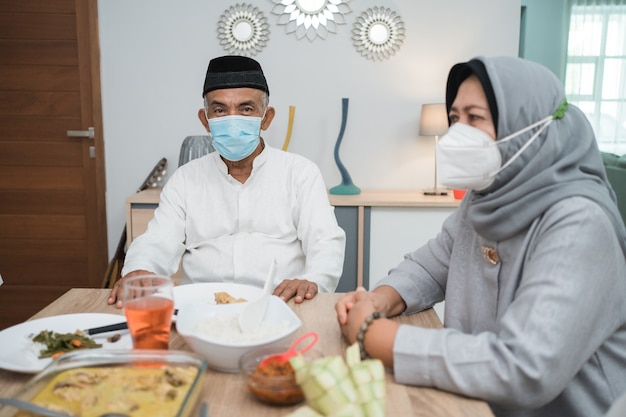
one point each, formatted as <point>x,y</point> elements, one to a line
<point>596,68</point>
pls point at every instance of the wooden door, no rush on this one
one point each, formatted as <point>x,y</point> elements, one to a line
<point>52,207</point>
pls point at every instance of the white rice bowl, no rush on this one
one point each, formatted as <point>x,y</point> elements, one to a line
<point>213,331</point>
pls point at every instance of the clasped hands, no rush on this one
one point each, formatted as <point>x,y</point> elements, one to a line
<point>352,309</point>
<point>355,306</point>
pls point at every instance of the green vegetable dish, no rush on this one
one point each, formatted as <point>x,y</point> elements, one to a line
<point>59,343</point>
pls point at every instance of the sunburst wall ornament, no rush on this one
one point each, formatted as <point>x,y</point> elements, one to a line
<point>378,33</point>
<point>311,18</point>
<point>243,30</point>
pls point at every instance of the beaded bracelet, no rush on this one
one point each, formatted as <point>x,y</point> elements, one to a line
<point>360,336</point>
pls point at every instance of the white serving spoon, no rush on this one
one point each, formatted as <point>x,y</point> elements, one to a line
<point>252,314</point>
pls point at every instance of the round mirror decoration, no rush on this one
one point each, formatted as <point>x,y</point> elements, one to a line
<point>378,33</point>
<point>311,18</point>
<point>243,30</point>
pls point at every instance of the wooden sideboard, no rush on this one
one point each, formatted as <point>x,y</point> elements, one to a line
<point>139,211</point>
<point>353,215</point>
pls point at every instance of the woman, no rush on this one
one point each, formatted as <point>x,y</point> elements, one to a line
<point>531,265</point>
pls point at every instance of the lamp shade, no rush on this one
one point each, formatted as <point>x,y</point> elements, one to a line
<point>434,120</point>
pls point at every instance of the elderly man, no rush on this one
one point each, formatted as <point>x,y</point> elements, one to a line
<point>230,213</point>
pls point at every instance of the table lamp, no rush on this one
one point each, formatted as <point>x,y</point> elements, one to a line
<point>434,122</point>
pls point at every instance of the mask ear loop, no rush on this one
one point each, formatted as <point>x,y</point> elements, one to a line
<point>546,123</point>
<point>558,114</point>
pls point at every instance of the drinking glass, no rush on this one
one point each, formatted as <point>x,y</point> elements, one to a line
<point>148,306</point>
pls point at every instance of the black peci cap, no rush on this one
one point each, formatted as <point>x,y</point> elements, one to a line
<point>232,71</point>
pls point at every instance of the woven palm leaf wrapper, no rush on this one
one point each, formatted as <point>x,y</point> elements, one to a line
<point>337,388</point>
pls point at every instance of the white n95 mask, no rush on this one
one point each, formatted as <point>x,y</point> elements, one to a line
<point>468,159</point>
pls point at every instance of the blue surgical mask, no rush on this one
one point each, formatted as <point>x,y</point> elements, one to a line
<point>235,137</point>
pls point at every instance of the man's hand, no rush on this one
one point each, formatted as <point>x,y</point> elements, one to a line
<point>298,289</point>
<point>116,293</point>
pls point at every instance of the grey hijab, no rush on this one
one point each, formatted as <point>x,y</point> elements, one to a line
<point>563,161</point>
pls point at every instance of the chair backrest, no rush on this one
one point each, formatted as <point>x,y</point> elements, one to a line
<point>194,147</point>
<point>616,172</point>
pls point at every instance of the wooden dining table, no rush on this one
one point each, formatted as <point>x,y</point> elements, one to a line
<point>226,393</point>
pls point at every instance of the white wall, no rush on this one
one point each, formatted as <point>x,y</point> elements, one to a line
<point>154,55</point>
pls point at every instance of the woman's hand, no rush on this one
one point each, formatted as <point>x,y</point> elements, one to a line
<point>355,306</point>
<point>345,304</point>
<point>384,299</point>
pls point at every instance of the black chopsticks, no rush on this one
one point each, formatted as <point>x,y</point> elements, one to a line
<point>111,327</point>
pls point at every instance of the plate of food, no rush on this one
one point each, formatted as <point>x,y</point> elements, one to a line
<point>67,332</point>
<point>214,293</point>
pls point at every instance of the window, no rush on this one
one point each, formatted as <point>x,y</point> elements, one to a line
<point>595,78</point>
